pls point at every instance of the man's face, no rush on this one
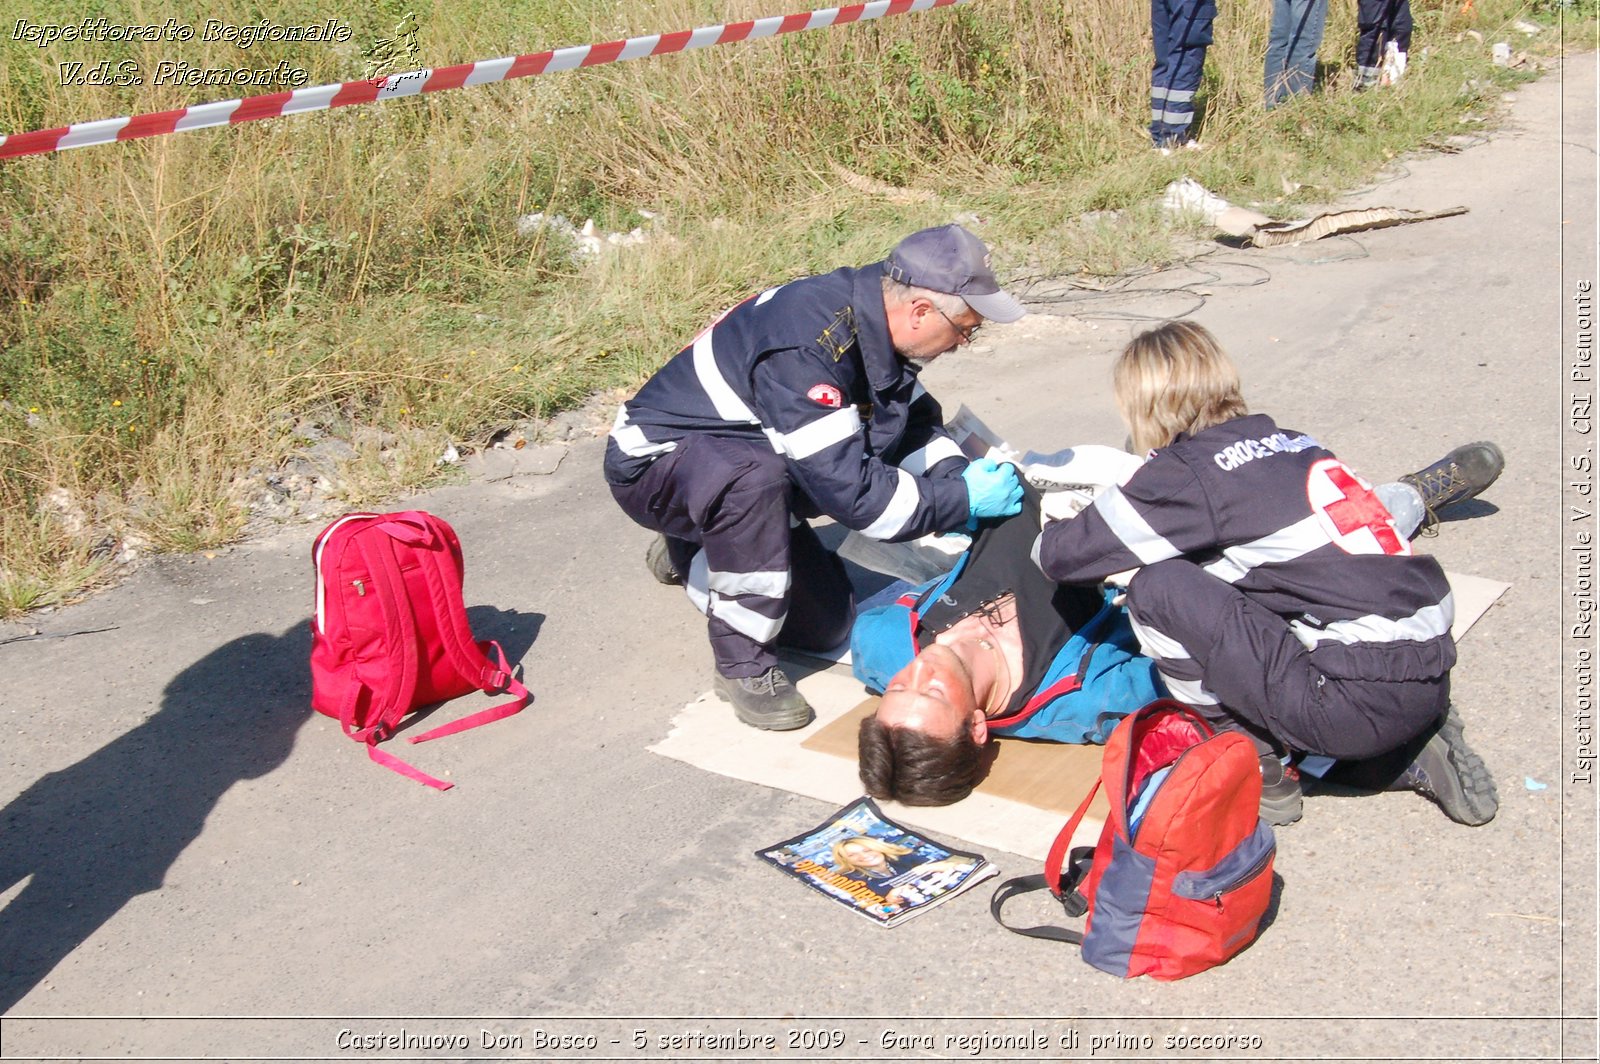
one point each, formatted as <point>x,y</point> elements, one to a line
<point>924,332</point>
<point>933,695</point>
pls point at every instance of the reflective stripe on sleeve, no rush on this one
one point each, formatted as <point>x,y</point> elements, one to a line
<point>729,406</point>
<point>938,449</point>
<point>632,440</point>
<point>824,432</point>
<point>1131,527</point>
<point>901,507</point>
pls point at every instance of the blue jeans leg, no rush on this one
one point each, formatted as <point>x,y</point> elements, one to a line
<point>1291,65</point>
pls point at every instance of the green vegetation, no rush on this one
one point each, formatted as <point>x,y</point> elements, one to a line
<point>173,309</point>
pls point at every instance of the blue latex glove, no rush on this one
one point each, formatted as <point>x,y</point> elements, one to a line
<point>993,490</point>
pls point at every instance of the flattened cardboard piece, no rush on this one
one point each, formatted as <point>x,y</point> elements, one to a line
<point>1277,234</point>
<point>1473,596</point>
<point>706,735</point>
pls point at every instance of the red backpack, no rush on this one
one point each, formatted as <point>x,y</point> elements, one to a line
<point>1182,875</point>
<point>390,633</point>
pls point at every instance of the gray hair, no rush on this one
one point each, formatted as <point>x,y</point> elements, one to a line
<point>895,292</point>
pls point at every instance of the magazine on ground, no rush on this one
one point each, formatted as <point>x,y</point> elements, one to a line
<point>863,860</point>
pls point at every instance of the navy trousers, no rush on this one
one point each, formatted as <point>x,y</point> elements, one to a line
<point>736,528</point>
<point>1379,22</point>
<point>1241,667</point>
<point>1182,31</point>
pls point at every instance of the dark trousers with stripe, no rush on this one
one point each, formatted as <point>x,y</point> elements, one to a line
<point>1379,22</point>
<point>1241,667</point>
<point>736,528</point>
<point>1181,30</point>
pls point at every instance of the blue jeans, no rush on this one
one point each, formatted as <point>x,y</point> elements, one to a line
<point>1296,35</point>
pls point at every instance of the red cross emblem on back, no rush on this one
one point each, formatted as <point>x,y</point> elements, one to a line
<point>1353,517</point>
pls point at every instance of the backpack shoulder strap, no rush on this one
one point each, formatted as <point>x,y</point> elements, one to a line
<point>1051,879</point>
<point>1027,885</point>
<point>402,634</point>
<point>499,679</point>
<point>468,657</point>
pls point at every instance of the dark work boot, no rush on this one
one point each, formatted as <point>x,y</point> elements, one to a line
<point>768,701</point>
<point>659,558</point>
<point>1457,476</point>
<point>1281,799</point>
<point>1449,772</point>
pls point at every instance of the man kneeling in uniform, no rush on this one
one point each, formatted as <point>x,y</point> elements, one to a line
<point>800,402</point>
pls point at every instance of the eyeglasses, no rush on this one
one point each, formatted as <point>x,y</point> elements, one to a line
<point>966,333</point>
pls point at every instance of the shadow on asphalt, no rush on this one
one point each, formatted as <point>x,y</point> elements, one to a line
<point>107,829</point>
<point>98,834</point>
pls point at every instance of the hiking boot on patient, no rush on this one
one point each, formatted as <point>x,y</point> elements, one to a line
<point>1456,477</point>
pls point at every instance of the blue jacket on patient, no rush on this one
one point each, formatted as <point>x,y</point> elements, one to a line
<point>1096,678</point>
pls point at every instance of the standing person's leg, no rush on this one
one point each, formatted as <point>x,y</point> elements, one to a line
<point>733,499</point>
<point>1397,27</point>
<point>1189,34</point>
<point>1160,73</point>
<point>1275,69</point>
<point>1370,18</point>
<point>1300,67</point>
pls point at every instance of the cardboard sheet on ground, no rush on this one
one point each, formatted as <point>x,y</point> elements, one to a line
<point>1030,791</point>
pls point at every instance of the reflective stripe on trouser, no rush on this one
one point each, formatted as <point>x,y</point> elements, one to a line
<point>1379,22</point>
<point>759,578</point>
<point>1180,30</point>
<point>1204,632</point>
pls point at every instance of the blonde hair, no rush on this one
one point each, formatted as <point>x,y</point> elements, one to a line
<point>847,866</point>
<point>1175,378</point>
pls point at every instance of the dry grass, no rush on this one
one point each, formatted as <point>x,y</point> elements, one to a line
<point>171,308</point>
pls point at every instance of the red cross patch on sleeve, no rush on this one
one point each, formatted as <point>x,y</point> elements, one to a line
<point>1350,513</point>
<point>826,395</point>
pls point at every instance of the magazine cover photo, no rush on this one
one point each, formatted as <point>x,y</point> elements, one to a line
<point>863,860</point>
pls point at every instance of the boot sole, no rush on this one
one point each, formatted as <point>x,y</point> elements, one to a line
<point>788,721</point>
<point>660,563</point>
<point>1467,792</point>
<point>1281,811</point>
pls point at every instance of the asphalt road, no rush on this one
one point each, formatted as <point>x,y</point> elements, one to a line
<point>182,837</point>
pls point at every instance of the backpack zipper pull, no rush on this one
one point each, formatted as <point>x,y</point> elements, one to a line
<point>361,588</point>
<point>1218,899</point>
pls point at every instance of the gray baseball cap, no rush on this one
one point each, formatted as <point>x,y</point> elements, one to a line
<point>949,259</point>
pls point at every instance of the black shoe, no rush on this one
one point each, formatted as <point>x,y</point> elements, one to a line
<point>1281,799</point>
<point>659,559</point>
<point>1457,476</point>
<point>768,701</point>
<point>1448,772</point>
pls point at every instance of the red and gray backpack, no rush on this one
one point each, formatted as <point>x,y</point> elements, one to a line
<point>390,634</point>
<point>1182,874</point>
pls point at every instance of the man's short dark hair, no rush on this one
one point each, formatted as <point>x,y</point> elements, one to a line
<point>915,768</point>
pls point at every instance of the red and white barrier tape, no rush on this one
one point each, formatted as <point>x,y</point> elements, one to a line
<point>483,72</point>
